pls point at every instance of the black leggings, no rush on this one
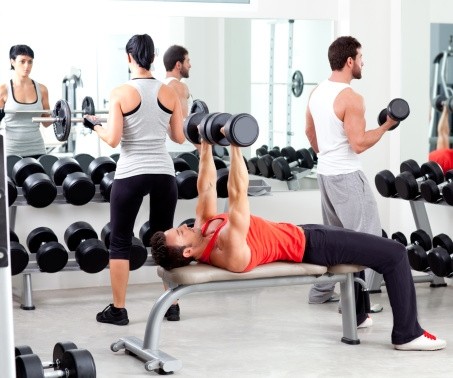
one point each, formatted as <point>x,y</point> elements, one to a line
<point>126,198</point>
<point>329,245</point>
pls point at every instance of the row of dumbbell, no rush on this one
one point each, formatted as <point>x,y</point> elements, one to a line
<point>426,181</point>
<point>425,255</point>
<point>67,361</point>
<point>281,164</point>
<point>77,176</point>
<point>91,254</point>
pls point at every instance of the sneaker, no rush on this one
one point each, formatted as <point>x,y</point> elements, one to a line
<point>113,315</point>
<point>424,342</point>
<point>368,322</point>
<point>172,313</point>
<point>374,308</point>
<point>335,297</point>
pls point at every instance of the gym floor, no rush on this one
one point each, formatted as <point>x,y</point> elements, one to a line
<point>269,332</point>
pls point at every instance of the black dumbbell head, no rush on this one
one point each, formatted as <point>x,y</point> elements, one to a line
<point>180,165</point>
<point>406,186</point>
<point>99,167</point>
<point>385,183</point>
<point>39,236</point>
<point>398,109</point>
<point>190,127</point>
<point>51,257</point>
<point>418,258</point>
<point>78,188</point>
<point>242,130</point>
<point>421,238</point>
<point>187,184</point>
<point>440,262</point>
<point>24,168</point>
<point>138,255</point>
<point>199,106</point>
<point>399,237</point>
<point>411,166</point>
<point>19,257</point>
<point>77,232</point>
<point>430,191</point>
<point>63,167</point>
<point>39,190</point>
<point>433,171</point>
<point>265,165</point>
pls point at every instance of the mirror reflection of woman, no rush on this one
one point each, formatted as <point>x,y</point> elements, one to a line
<point>21,93</point>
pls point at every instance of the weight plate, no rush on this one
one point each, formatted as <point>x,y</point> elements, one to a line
<point>199,106</point>
<point>24,168</point>
<point>78,363</point>
<point>99,167</point>
<point>39,236</point>
<point>406,186</point>
<point>19,257</point>
<point>78,188</point>
<point>29,366</point>
<point>187,184</point>
<point>51,257</point>
<point>84,160</point>
<point>222,183</point>
<point>399,237</point>
<point>439,261</point>
<point>180,165</point>
<point>77,232</point>
<point>47,161</point>
<point>88,106</point>
<point>398,109</point>
<point>92,255</point>
<point>443,241</point>
<point>411,166</point>
<point>12,191</point>
<point>433,171</point>
<point>62,167</point>
<point>241,130</point>
<point>430,191</point>
<point>62,127</point>
<point>138,255</point>
<point>191,159</point>
<point>297,85</point>
<point>39,190</point>
<point>421,238</point>
<point>281,169</point>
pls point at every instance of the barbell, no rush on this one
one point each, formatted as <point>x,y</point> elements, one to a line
<point>62,118</point>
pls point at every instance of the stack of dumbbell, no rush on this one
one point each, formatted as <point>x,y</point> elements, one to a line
<point>426,255</point>
<point>414,182</point>
<point>282,164</point>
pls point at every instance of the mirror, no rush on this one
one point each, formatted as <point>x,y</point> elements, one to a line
<point>441,77</point>
<point>238,65</point>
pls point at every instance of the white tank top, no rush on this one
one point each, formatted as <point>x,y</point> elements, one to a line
<point>335,153</point>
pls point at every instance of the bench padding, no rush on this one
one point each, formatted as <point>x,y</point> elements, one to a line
<point>200,273</point>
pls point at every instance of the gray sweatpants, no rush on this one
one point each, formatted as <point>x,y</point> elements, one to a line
<point>347,201</point>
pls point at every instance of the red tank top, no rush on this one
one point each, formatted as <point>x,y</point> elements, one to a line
<point>443,157</point>
<point>268,241</point>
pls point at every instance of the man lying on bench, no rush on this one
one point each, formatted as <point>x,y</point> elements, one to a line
<point>238,241</point>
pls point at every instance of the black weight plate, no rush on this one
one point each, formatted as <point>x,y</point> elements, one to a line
<point>398,109</point>
<point>187,184</point>
<point>88,106</point>
<point>139,254</point>
<point>60,348</point>
<point>281,169</point>
<point>39,190</point>
<point>39,236</point>
<point>145,234</point>
<point>437,102</point>
<point>421,238</point>
<point>115,157</point>
<point>212,128</point>
<point>265,165</point>
<point>190,222</point>
<point>385,183</point>
<point>10,161</point>
<point>63,167</point>
<point>222,183</point>
<point>78,188</point>
<point>411,166</point>
<point>19,257</point>
<point>29,366</point>
<point>430,191</point>
<point>191,159</point>
<point>51,257</point>
<point>12,191</point>
<point>47,161</point>
<point>219,163</point>
<point>22,350</point>
<point>24,168</point>
<point>181,165</point>
<point>77,232</point>
<point>105,235</point>
<point>84,160</point>
<point>92,255</point>
<point>305,158</point>
<point>433,171</point>
<point>289,153</point>
<point>62,127</point>
<point>406,186</point>
<point>242,130</point>
<point>399,237</point>
<point>443,241</point>
<point>199,106</point>
<point>13,236</point>
<point>252,166</point>
<point>105,187</point>
<point>447,193</point>
<point>190,127</point>
<point>418,258</point>
<point>439,261</point>
<point>78,363</point>
<point>99,167</point>
<point>297,85</point>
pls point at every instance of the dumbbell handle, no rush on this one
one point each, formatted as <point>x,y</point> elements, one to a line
<point>58,119</point>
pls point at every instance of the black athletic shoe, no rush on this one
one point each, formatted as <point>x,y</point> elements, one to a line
<point>172,313</point>
<point>113,315</point>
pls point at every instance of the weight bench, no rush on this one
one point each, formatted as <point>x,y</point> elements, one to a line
<point>197,277</point>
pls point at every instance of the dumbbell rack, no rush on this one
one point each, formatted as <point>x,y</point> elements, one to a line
<point>32,267</point>
<point>421,222</point>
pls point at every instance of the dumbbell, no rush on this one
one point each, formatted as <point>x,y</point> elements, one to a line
<point>240,129</point>
<point>397,109</point>
<point>313,154</point>
<point>186,179</point>
<point>47,161</point>
<point>263,150</point>
<point>78,187</point>
<point>138,254</point>
<point>281,166</point>
<point>37,187</point>
<point>407,183</point>
<point>18,253</point>
<point>102,172</point>
<point>74,363</point>
<point>190,222</point>
<point>90,253</point>
<point>440,259</point>
<point>440,101</point>
<point>420,243</point>
<point>51,256</point>
<point>433,192</point>
<point>84,160</point>
<point>59,349</point>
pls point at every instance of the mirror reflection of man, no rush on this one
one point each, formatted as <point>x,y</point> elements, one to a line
<point>443,154</point>
<point>177,64</point>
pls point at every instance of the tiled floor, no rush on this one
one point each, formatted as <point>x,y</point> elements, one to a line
<point>271,332</point>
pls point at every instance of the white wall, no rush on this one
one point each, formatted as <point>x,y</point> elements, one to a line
<point>395,38</point>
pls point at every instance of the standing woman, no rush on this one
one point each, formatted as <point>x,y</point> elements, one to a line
<point>141,114</point>
<point>23,137</point>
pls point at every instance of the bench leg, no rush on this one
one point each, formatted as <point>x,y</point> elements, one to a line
<point>348,311</point>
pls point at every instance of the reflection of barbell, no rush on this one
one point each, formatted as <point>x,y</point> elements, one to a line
<point>297,83</point>
<point>62,118</point>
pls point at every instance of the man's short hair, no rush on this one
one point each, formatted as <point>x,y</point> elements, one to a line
<point>173,55</point>
<point>167,257</point>
<point>340,50</point>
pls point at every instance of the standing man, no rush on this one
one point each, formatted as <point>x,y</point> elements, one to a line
<point>336,130</point>
<point>177,65</point>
